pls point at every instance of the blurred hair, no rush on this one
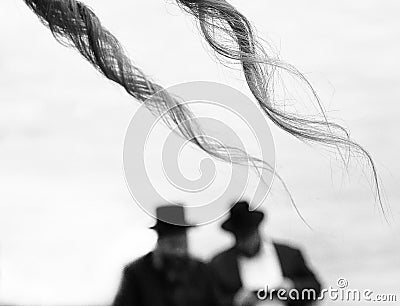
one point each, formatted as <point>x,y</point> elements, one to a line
<point>230,34</point>
<point>75,25</point>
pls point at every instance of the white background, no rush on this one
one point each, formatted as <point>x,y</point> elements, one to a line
<point>67,221</point>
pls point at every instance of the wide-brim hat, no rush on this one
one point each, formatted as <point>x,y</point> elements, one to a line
<point>171,220</point>
<point>241,219</point>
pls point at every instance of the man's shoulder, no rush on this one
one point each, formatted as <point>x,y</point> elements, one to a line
<point>224,256</point>
<point>286,248</point>
<point>138,263</point>
<point>284,245</point>
<point>145,261</point>
<point>197,265</point>
<point>197,261</point>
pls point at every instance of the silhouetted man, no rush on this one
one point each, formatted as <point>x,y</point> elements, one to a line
<point>167,276</point>
<point>255,264</point>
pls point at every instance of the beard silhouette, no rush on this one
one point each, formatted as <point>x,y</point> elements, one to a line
<point>247,252</point>
<point>175,268</point>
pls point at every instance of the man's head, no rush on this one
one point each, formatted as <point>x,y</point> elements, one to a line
<point>244,225</point>
<point>171,227</point>
<point>248,243</point>
<point>173,244</point>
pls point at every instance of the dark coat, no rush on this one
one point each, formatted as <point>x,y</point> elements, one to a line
<point>226,273</point>
<point>145,285</point>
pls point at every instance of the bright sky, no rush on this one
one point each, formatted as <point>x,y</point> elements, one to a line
<point>67,221</point>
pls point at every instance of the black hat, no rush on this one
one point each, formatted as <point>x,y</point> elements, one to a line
<point>241,219</point>
<point>170,220</point>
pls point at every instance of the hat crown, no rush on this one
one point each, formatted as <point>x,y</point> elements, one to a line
<point>240,212</point>
<point>240,208</point>
<point>172,214</point>
<point>242,219</point>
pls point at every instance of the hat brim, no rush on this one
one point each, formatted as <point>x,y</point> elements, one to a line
<point>251,221</point>
<point>168,227</point>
